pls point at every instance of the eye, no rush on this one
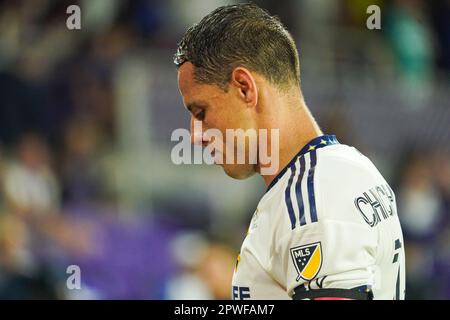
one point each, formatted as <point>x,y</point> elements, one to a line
<point>200,115</point>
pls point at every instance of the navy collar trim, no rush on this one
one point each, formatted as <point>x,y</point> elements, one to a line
<point>314,144</point>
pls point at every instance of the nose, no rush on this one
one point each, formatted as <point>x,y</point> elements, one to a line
<point>197,136</point>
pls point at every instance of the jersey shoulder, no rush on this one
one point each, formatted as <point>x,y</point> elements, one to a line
<point>342,176</point>
<point>322,185</point>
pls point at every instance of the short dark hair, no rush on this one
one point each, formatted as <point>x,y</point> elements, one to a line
<point>240,35</point>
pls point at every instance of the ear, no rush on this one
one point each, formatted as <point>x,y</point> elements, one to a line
<point>243,80</point>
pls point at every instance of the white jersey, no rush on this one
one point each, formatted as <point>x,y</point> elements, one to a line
<point>328,220</point>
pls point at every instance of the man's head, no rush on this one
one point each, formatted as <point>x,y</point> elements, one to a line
<point>226,61</point>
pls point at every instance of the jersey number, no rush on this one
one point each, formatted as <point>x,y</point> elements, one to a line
<point>398,246</point>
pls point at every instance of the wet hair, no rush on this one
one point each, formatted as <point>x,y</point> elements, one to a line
<point>240,35</point>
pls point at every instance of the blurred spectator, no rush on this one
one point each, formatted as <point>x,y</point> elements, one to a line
<point>188,250</point>
<point>412,43</point>
<point>423,211</point>
<point>30,185</point>
<point>216,269</point>
<point>81,171</point>
<point>206,269</point>
<point>20,276</point>
<point>15,244</point>
<point>419,202</point>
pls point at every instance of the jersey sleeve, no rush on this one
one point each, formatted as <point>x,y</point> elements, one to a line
<point>334,249</point>
<point>327,255</point>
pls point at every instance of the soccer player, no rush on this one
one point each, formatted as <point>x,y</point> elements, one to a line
<point>327,226</point>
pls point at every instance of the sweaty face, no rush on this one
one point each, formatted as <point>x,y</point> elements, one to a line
<point>220,110</point>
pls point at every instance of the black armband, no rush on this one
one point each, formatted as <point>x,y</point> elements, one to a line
<point>358,293</point>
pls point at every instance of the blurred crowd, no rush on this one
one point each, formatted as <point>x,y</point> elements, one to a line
<point>68,147</point>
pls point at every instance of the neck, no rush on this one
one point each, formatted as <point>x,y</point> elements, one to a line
<point>296,128</point>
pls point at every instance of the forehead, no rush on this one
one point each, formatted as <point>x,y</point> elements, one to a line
<point>186,78</point>
<point>190,89</point>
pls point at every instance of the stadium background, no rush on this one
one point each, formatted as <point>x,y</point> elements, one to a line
<point>86,118</point>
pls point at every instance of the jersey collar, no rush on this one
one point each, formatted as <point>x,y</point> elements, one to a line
<point>314,144</point>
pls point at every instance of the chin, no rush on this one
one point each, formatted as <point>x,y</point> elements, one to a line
<point>239,172</point>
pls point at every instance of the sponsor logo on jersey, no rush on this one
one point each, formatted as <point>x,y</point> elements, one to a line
<point>307,260</point>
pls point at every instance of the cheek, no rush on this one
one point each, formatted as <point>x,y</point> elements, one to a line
<point>230,118</point>
<point>227,113</point>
